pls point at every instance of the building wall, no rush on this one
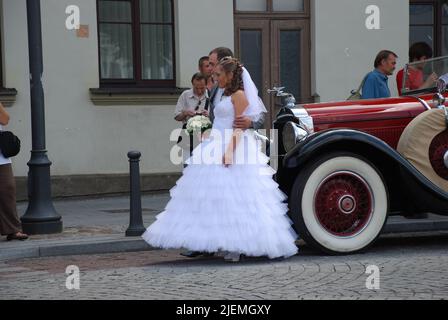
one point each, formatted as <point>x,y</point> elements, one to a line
<point>202,26</point>
<point>83,138</point>
<point>344,49</point>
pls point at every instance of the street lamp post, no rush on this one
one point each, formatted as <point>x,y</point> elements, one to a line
<point>40,216</point>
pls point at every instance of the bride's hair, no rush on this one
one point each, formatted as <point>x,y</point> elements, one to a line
<point>230,64</point>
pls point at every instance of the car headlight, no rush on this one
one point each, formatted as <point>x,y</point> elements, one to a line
<point>292,134</point>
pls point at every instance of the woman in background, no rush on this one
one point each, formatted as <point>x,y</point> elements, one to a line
<point>9,221</point>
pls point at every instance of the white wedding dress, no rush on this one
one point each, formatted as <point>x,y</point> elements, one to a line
<point>214,208</point>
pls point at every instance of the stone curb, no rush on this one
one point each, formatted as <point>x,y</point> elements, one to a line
<point>87,246</point>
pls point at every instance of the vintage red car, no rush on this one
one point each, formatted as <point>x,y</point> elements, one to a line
<point>347,166</point>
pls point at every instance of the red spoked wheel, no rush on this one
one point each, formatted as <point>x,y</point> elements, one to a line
<point>343,204</point>
<point>339,203</point>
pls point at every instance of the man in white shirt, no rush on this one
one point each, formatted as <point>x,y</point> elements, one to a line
<point>190,103</point>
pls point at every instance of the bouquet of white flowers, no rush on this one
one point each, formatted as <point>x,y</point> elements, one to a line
<point>198,123</point>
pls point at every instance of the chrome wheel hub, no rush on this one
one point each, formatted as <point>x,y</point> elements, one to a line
<point>347,204</point>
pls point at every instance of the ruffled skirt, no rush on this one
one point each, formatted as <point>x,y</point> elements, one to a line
<point>213,208</point>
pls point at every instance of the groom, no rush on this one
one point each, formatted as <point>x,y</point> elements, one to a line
<point>241,122</point>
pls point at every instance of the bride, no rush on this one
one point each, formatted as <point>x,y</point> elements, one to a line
<point>226,200</point>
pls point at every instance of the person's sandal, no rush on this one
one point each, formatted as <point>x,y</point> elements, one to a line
<point>16,236</point>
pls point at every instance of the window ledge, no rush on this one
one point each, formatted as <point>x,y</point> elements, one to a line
<point>8,96</point>
<point>135,96</point>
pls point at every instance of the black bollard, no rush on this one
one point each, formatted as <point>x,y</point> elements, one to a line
<point>136,227</point>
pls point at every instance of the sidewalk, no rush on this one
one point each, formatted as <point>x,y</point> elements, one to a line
<point>94,226</point>
<point>91,226</point>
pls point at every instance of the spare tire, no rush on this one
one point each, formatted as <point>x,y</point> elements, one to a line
<point>424,143</point>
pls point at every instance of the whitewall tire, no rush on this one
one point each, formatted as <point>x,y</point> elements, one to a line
<point>339,203</point>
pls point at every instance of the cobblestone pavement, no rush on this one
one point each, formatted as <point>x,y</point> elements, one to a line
<point>410,268</point>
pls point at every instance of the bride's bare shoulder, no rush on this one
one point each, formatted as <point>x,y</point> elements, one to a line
<point>238,95</point>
